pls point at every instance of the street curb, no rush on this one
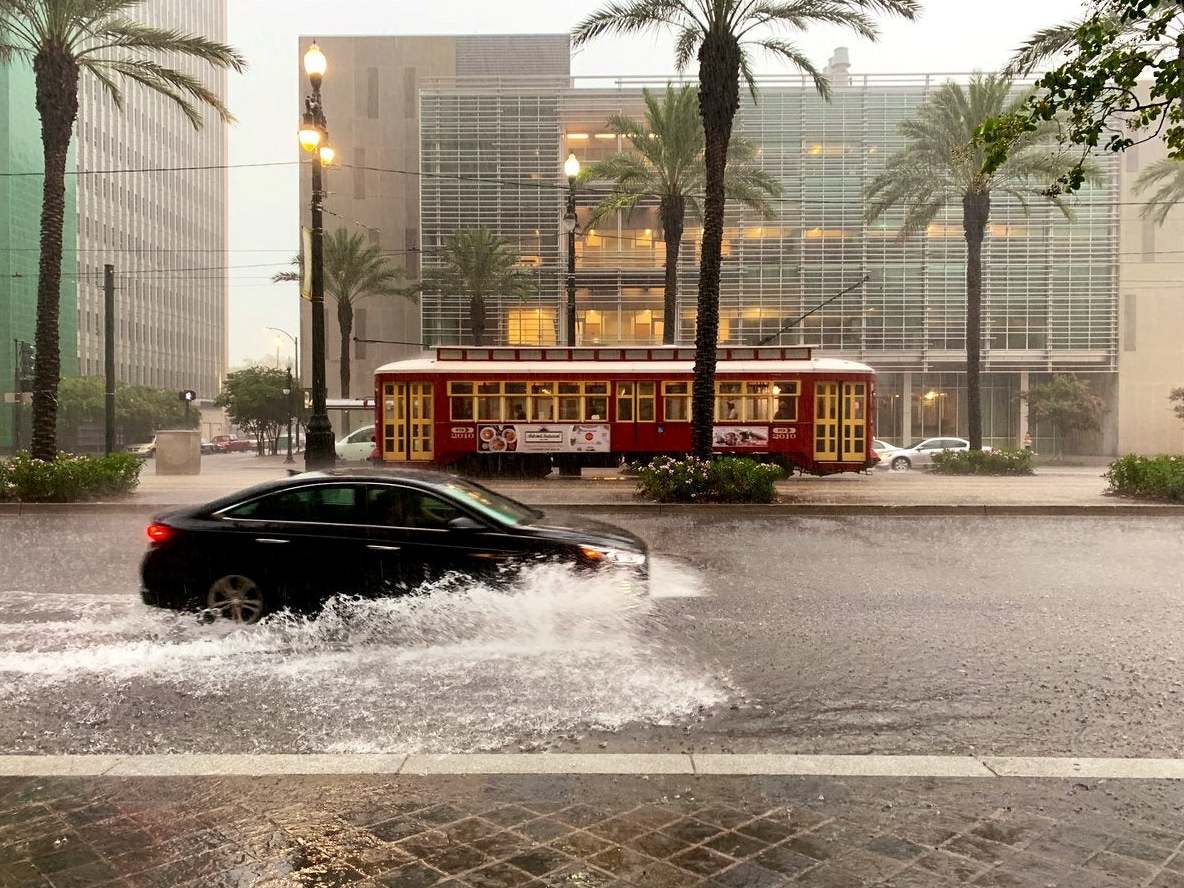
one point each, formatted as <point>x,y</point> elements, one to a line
<point>720,510</point>
<point>591,764</point>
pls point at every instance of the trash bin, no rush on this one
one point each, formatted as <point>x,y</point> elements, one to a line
<point>178,452</point>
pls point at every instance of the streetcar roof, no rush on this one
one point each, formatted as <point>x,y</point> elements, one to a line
<point>612,368</point>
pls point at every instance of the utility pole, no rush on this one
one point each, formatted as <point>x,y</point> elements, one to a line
<point>109,355</point>
<point>17,394</point>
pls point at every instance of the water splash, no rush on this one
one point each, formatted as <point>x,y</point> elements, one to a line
<point>457,667</point>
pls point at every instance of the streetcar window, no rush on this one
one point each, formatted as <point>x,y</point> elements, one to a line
<point>756,401</point>
<point>645,401</point>
<point>542,401</point>
<point>489,401</point>
<point>569,408</point>
<point>624,402</point>
<point>676,400</point>
<point>460,399</point>
<point>729,405</point>
<point>785,400</point>
<point>596,408</point>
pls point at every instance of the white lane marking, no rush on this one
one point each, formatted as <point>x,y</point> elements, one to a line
<point>736,765</point>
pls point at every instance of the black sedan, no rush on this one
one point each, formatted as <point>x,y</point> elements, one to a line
<point>295,543</point>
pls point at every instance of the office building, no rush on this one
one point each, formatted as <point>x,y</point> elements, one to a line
<point>164,231</point>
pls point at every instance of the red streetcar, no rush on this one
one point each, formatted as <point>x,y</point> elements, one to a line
<point>521,410</point>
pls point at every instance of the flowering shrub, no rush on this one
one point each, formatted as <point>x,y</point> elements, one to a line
<point>68,478</point>
<point>729,479</point>
<point>668,480</point>
<point>1161,477</point>
<point>983,462</point>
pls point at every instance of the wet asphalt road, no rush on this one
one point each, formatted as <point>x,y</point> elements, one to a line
<point>1040,636</point>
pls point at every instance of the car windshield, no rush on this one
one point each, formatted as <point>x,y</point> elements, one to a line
<point>490,504</point>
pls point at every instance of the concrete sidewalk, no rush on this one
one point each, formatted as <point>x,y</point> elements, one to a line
<point>590,831</point>
<point>1067,487</point>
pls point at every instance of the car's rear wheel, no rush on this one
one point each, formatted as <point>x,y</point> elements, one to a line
<point>901,463</point>
<point>237,598</point>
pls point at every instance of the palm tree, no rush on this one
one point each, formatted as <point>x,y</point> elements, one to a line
<point>65,40</point>
<point>355,269</point>
<point>666,165</point>
<point>941,163</point>
<point>719,33</point>
<point>478,264</point>
<point>1167,178</point>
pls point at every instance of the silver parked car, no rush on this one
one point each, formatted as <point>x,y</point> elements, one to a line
<point>921,453</point>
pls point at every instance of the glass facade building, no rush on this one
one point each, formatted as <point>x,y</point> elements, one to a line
<point>491,154</point>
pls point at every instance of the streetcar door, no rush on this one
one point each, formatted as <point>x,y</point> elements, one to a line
<point>635,405</point>
<point>854,421</point>
<point>826,421</point>
<point>407,421</point>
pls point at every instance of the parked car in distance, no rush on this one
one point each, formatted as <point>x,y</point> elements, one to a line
<point>884,451</point>
<point>921,453</point>
<point>232,444</point>
<point>208,447</point>
<point>144,451</point>
<point>358,445</point>
<point>295,542</point>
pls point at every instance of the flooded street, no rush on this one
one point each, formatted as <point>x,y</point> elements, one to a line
<point>1052,636</point>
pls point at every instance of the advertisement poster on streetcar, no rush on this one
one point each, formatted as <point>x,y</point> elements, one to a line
<point>740,436</point>
<point>549,438</point>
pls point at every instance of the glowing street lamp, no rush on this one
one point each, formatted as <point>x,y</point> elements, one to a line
<point>319,452</point>
<point>571,169</point>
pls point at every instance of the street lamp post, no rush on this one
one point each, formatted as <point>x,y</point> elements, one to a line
<point>571,169</point>
<point>288,406</point>
<point>296,359</point>
<point>314,137</point>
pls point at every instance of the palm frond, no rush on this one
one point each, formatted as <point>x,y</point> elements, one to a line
<point>1041,46</point>
<point>633,17</point>
<point>132,35</point>
<point>799,60</point>
<point>1167,178</point>
<point>174,85</point>
<point>800,14</point>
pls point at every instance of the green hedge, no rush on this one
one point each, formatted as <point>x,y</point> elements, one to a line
<point>983,462</point>
<point>729,479</point>
<point>68,478</point>
<point>1161,477</point>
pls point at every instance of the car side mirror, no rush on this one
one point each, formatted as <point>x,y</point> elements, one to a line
<point>464,522</point>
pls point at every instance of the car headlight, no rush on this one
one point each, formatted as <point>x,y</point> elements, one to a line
<point>604,555</point>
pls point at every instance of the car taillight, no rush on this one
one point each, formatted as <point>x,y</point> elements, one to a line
<point>160,533</point>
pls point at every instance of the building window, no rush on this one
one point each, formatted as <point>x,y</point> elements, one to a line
<point>1129,321</point>
<point>530,326</point>
<point>372,93</point>
<point>359,174</point>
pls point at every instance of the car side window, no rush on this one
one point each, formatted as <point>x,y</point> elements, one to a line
<point>318,504</point>
<point>391,506</point>
<point>361,436</point>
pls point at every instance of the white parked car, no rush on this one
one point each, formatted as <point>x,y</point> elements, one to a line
<point>357,445</point>
<point>921,454</point>
<point>884,451</point>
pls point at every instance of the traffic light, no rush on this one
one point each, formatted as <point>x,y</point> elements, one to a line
<point>26,357</point>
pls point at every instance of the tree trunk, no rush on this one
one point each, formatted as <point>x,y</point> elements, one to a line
<point>57,103</point>
<point>976,209</point>
<point>477,318</point>
<point>345,320</point>
<point>719,99</point>
<point>672,209</point>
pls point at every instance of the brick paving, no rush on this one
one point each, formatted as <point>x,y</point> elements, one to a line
<point>592,832</point>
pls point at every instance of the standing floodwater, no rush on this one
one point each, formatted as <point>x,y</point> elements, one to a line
<point>458,667</point>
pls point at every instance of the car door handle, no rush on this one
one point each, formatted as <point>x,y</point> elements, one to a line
<point>384,548</point>
<point>270,540</point>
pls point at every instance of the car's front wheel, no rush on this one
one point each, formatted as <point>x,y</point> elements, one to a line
<point>901,463</point>
<point>237,598</point>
